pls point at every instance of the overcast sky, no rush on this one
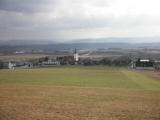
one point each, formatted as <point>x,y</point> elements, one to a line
<point>76,19</point>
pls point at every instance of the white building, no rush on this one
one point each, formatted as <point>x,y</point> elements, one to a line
<point>11,65</point>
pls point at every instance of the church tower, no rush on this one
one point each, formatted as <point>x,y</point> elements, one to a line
<point>76,56</point>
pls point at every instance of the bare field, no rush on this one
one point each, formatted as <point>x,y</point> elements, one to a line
<point>73,103</point>
<point>99,94</point>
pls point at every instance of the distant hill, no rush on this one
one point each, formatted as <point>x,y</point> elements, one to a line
<point>134,40</point>
<point>50,46</point>
<point>66,46</point>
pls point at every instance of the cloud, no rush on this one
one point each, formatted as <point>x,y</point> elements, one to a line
<point>74,19</point>
<point>26,6</point>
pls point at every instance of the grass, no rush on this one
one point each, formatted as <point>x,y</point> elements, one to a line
<point>84,77</point>
<point>79,93</point>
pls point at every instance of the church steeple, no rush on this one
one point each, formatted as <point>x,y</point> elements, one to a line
<point>76,56</point>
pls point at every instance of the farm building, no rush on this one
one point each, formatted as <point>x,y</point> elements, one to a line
<point>143,64</point>
<point>23,65</point>
<point>50,63</point>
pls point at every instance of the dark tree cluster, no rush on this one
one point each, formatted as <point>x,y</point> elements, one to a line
<point>121,61</point>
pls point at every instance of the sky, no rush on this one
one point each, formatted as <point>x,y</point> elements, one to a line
<point>66,20</point>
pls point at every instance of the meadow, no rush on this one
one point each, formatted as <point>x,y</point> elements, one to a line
<point>79,93</point>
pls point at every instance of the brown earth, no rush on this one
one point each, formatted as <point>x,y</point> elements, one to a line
<point>77,103</point>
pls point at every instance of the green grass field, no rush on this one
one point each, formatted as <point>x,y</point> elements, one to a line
<point>83,77</point>
<point>79,93</point>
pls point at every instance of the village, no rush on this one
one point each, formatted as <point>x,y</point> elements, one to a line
<point>77,59</point>
<point>47,61</point>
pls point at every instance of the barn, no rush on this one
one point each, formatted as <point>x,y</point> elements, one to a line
<point>144,64</point>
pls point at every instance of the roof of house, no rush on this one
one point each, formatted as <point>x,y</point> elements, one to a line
<point>144,60</point>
